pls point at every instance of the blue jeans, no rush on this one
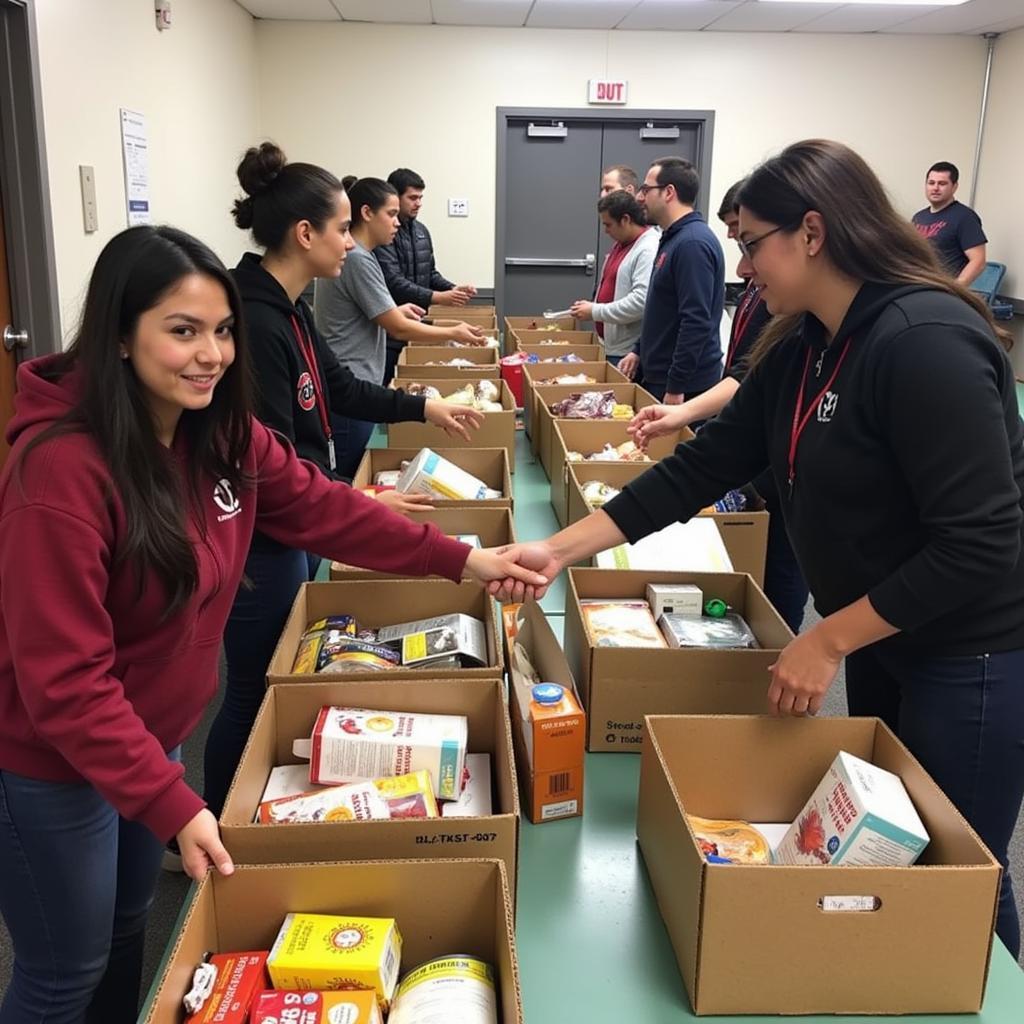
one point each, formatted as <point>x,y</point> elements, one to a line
<point>614,360</point>
<point>350,440</point>
<point>76,885</point>
<point>254,625</point>
<point>963,719</point>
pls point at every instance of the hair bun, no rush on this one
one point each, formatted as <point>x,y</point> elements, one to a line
<point>348,181</point>
<point>260,167</point>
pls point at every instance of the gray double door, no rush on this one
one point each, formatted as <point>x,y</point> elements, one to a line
<point>549,241</point>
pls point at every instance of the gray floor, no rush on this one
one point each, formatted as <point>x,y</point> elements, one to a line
<point>172,889</point>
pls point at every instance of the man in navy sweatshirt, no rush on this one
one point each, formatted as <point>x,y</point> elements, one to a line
<point>679,354</point>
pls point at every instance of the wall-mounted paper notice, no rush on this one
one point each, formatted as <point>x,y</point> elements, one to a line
<point>135,149</point>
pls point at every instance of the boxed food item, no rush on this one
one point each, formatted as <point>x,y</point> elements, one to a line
<point>444,636</point>
<point>401,796</point>
<point>429,473</point>
<point>695,546</point>
<point>678,598</point>
<point>727,632</point>
<point>859,815</point>
<point>239,976</point>
<point>814,940</point>
<point>287,780</point>
<point>356,744</point>
<point>331,952</point>
<point>616,623</point>
<point>475,799</point>
<point>307,1007</point>
<point>440,906</point>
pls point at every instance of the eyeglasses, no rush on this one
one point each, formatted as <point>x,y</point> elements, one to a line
<point>748,247</point>
<point>645,188</point>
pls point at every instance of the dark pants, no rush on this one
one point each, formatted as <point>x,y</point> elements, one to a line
<point>614,360</point>
<point>254,625</point>
<point>350,440</point>
<point>394,349</point>
<point>76,885</point>
<point>784,583</point>
<point>963,719</point>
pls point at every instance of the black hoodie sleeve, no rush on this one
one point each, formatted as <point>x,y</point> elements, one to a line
<point>402,289</point>
<point>945,401</point>
<point>438,281</point>
<point>361,399</point>
<point>728,451</point>
<point>274,378</point>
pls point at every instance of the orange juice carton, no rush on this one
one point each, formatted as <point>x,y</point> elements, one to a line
<point>276,1007</point>
<point>859,815</point>
<point>239,977</point>
<point>328,952</point>
<point>359,745</point>
<point>476,791</point>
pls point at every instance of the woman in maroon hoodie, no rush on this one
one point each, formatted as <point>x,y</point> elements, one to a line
<point>136,479</point>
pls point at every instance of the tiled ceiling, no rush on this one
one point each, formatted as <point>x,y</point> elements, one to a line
<point>973,17</point>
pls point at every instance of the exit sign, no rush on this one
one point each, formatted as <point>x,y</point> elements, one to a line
<point>602,90</point>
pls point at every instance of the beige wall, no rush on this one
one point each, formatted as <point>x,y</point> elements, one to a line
<point>197,86</point>
<point>363,99</point>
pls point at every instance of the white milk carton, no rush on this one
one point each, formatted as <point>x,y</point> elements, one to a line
<point>359,745</point>
<point>859,815</point>
<point>475,801</point>
<point>429,473</point>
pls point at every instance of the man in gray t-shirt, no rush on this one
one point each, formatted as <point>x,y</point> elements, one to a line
<point>345,309</point>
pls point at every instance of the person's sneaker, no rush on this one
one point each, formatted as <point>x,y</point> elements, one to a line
<point>172,858</point>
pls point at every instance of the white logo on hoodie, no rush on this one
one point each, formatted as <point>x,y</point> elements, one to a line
<point>224,498</point>
<point>827,406</point>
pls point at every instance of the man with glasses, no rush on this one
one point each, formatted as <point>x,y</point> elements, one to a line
<point>679,354</point>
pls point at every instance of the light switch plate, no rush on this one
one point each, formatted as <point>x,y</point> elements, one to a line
<point>87,179</point>
<point>458,207</point>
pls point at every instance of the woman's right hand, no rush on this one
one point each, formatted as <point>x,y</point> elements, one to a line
<point>404,503</point>
<point>657,421</point>
<point>201,848</point>
<point>466,334</point>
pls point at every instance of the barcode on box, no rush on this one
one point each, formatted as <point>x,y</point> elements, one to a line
<point>559,782</point>
<point>560,810</point>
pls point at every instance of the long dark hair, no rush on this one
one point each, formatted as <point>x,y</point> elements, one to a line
<point>132,274</point>
<point>279,194</point>
<point>866,238</point>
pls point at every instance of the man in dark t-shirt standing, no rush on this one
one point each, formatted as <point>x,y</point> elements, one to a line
<point>952,228</point>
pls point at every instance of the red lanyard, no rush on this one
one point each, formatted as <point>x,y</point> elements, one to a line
<point>801,421</point>
<point>751,300</point>
<point>306,348</point>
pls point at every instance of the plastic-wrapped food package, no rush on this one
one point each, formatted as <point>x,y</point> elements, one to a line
<point>726,633</point>
<point>569,357</point>
<point>422,390</point>
<point>585,405</point>
<point>621,624</point>
<point>569,378</point>
<point>597,493</point>
<point>735,842</point>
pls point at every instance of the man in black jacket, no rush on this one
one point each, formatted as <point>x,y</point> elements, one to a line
<point>408,262</point>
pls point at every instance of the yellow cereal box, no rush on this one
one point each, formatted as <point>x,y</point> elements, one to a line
<point>329,953</point>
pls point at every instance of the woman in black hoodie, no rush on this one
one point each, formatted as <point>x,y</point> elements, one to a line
<point>885,406</point>
<point>299,214</point>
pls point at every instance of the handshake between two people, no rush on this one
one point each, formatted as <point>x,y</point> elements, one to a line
<point>515,572</point>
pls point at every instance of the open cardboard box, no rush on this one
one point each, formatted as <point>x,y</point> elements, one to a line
<point>553,782</point>
<point>543,438</point>
<point>494,526</point>
<point>745,534</point>
<point>378,603</point>
<point>588,437</point>
<point>413,360</point>
<point>472,309</point>
<point>487,464</point>
<point>620,685</point>
<point>498,429</point>
<point>759,938</point>
<point>540,373</point>
<point>289,713</point>
<point>488,324</point>
<point>512,374</point>
<point>441,907</point>
<point>525,338</point>
<point>514,324</point>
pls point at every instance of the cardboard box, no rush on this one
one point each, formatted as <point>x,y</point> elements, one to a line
<point>379,602</point>
<point>494,527</point>
<point>525,338</point>
<point>543,439</point>
<point>538,373</point>
<point>488,324</point>
<point>288,713</point>
<point>413,360</point>
<point>513,374</point>
<point>538,323</point>
<point>497,431</point>
<point>552,779</point>
<point>441,907</point>
<point>587,437</point>
<point>769,939</point>
<point>620,685</point>
<point>487,464</point>
<point>745,533</point>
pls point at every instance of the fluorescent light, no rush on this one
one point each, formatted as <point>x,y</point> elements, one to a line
<point>865,3</point>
